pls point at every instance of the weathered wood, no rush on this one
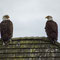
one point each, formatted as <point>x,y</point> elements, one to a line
<point>30,49</point>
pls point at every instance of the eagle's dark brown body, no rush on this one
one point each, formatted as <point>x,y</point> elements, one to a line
<point>51,29</point>
<point>6,30</point>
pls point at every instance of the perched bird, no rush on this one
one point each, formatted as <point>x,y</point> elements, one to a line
<point>51,29</point>
<point>6,29</point>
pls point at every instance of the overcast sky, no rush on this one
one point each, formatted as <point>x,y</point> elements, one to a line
<point>28,16</point>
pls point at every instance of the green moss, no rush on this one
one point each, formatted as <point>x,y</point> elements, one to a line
<point>28,42</point>
<point>31,40</point>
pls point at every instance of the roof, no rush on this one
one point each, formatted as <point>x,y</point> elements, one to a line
<point>30,48</point>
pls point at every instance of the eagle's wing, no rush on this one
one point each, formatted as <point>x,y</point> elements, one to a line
<point>53,26</point>
<point>6,29</point>
<point>52,29</point>
<point>10,28</point>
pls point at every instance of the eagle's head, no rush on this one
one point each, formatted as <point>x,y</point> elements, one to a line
<point>49,17</point>
<point>6,17</point>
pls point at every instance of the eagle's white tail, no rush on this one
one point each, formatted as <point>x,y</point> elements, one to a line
<point>3,43</point>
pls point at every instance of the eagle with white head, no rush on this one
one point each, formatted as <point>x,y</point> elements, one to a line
<point>6,29</point>
<point>51,29</point>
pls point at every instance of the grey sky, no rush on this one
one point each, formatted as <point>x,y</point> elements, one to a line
<point>28,16</point>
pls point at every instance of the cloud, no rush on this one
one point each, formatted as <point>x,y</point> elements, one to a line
<point>28,16</point>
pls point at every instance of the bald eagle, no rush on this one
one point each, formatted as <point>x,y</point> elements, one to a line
<point>51,29</point>
<point>6,29</point>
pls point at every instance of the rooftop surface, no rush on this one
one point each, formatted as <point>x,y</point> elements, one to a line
<point>30,48</point>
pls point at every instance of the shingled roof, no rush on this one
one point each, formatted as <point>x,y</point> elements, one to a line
<point>30,48</point>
